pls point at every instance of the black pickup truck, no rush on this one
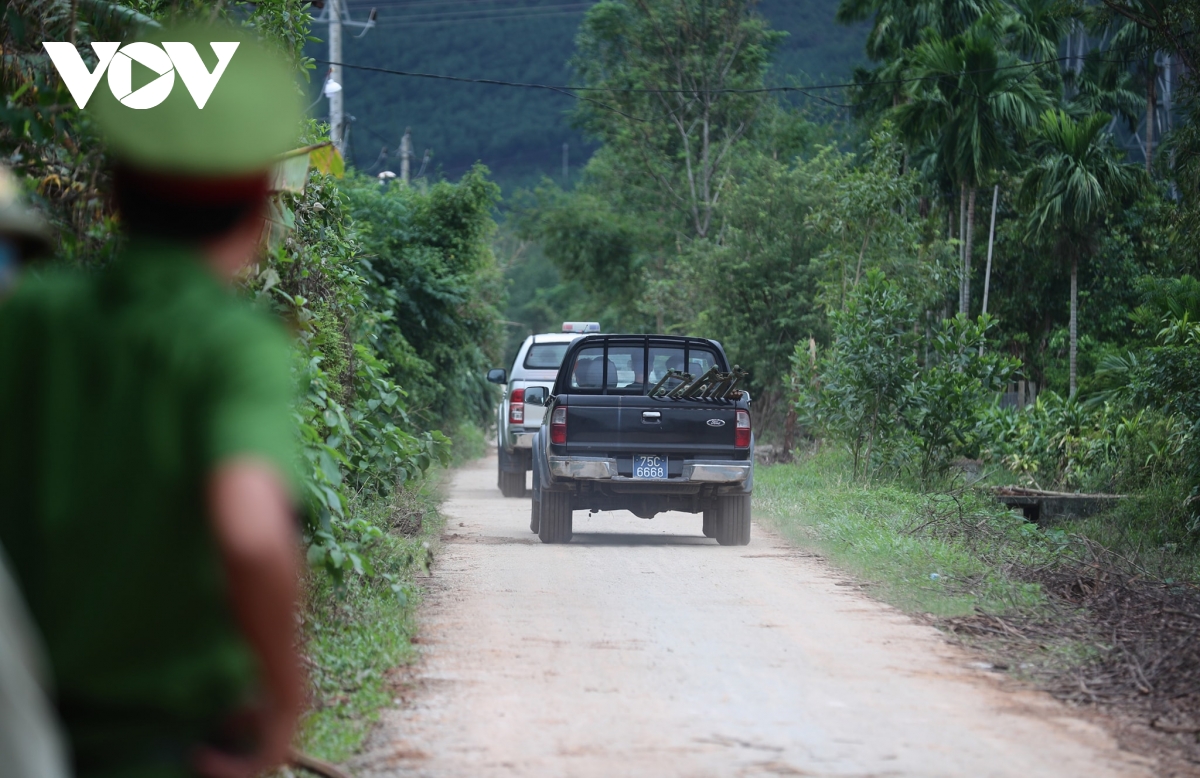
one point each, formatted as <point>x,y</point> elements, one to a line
<point>644,423</point>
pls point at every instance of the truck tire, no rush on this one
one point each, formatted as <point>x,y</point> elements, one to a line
<point>555,519</point>
<point>535,514</point>
<point>731,520</point>
<point>512,484</point>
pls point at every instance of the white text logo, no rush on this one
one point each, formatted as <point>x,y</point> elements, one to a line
<point>166,60</point>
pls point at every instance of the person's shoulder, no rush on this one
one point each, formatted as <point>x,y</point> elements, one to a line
<point>241,318</point>
<point>53,292</point>
<point>248,334</point>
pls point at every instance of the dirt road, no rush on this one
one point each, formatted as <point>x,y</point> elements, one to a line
<point>644,649</point>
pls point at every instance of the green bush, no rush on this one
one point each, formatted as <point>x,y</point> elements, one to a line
<point>891,406</point>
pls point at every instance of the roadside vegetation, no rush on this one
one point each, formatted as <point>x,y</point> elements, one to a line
<point>361,630</point>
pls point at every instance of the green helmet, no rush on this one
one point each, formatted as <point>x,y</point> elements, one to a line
<point>18,222</point>
<point>251,115</point>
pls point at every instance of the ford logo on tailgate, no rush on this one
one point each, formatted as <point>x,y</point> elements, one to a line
<point>716,423</point>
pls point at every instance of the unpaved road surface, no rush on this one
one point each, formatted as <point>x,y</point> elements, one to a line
<point>645,649</point>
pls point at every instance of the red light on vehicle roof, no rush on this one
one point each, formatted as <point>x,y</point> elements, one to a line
<point>516,407</point>
<point>581,326</point>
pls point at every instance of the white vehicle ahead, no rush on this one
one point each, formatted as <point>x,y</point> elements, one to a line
<point>525,388</point>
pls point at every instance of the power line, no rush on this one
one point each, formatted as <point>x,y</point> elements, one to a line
<point>485,13</point>
<point>568,88</point>
<point>402,4</point>
<point>395,21</point>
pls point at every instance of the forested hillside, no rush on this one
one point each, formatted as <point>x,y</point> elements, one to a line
<point>518,133</point>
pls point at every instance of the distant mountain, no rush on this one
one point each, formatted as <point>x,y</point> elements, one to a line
<point>518,132</point>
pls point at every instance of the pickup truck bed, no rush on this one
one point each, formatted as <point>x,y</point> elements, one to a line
<point>619,433</point>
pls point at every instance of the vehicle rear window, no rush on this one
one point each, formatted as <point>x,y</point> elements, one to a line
<point>588,371</point>
<point>631,369</point>
<point>630,364</point>
<point>545,356</point>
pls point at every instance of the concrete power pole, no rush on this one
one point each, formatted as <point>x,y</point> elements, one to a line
<point>333,13</point>
<point>405,154</point>
<point>566,166</point>
<point>337,98</point>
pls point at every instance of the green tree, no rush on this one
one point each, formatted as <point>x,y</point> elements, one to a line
<point>899,25</point>
<point>863,375</point>
<point>1136,42</point>
<point>897,28</point>
<point>760,284</point>
<point>869,215</point>
<point>429,259</point>
<point>593,245</point>
<point>972,103</point>
<point>1074,182</point>
<point>684,74</point>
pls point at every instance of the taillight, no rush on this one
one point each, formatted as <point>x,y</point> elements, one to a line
<point>516,407</point>
<point>741,435</point>
<point>558,426</point>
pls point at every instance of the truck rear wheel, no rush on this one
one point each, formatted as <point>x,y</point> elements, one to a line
<point>731,520</point>
<point>512,484</point>
<point>555,519</point>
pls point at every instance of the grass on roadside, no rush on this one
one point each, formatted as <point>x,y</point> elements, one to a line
<point>467,442</point>
<point>947,553</point>
<point>356,633</point>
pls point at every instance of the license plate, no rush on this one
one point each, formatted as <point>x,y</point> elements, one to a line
<point>649,466</point>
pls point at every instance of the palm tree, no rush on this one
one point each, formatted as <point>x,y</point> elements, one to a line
<point>1035,28</point>
<point>1133,41</point>
<point>900,25</point>
<point>972,101</point>
<point>1104,85</point>
<point>1075,181</point>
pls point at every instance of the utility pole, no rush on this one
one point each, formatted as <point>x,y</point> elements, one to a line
<point>987,276</point>
<point>405,154</point>
<point>336,98</point>
<point>334,14</point>
<point>566,167</point>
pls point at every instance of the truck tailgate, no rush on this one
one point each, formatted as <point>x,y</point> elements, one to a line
<point>631,424</point>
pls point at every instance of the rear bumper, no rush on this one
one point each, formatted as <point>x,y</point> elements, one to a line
<point>521,439</point>
<point>605,469</point>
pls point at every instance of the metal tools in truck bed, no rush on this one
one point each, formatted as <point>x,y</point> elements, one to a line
<point>713,385</point>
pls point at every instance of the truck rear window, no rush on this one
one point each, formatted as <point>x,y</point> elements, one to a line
<point>629,369</point>
<point>545,356</point>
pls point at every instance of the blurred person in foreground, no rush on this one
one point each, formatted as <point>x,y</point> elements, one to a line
<point>31,744</point>
<point>147,453</point>
<point>30,740</point>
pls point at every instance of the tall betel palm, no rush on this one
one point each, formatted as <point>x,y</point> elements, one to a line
<point>1075,181</point>
<point>971,101</point>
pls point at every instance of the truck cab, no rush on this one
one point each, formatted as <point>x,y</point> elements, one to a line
<point>517,418</point>
<point>645,423</point>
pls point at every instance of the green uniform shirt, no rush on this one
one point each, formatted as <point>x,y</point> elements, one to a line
<point>118,396</point>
